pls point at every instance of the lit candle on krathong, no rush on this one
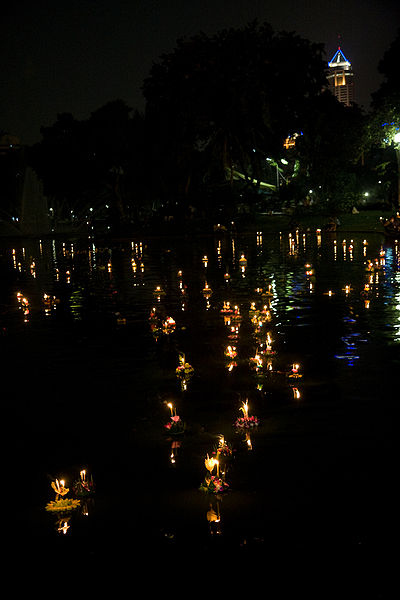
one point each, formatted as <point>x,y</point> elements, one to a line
<point>245,409</point>
<point>59,487</point>
<point>207,291</point>
<point>243,261</point>
<point>83,475</point>
<point>158,292</point>
<point>210,463</point>
<point>226,308</point>
<point>295,371</point>
<point>171,407</point>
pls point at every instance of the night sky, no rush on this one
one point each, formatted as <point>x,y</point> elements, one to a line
<point>76,56</point>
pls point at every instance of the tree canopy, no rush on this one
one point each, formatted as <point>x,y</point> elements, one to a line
<point>227,101</point>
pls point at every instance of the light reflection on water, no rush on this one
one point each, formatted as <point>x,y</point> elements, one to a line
<point>298,298</point>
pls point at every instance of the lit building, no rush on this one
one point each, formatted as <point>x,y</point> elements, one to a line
<point>341,78</point>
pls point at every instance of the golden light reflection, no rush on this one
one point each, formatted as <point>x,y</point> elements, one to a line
<point>24,306</point>
<point>63,526</point>
<point>248,442</point>
<point>296,393</point>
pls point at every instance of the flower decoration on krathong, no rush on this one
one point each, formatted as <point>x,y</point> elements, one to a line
<point>175,425</point>
<point>246,420</point>
<point>184,370</point>
<point>84,486</point>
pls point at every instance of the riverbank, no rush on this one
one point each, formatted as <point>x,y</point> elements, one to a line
<point>364,221</point>
<point>368,221</point>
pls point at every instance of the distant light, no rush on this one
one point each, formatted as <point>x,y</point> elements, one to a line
<point>284,161</point>
<point>366,193</point>
<point>397,138</point>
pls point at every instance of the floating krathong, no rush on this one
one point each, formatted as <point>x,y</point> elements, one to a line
<point>256,362</point>
<point>61,504</point>
<point>226,308</point>
<point>236,316</point>
<point>224,449</point>
<point>246,421</point>
<point>158,292</point>
<point>175,425</point>
<point>230,351</point>
<point>84,486</point>
<point>294,373</point>
<point>207,291</point>
<point>168,325</point>
<point>213,484</point>
<point>184,370</point>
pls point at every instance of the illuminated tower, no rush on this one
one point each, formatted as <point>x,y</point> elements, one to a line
<point>341,78</point>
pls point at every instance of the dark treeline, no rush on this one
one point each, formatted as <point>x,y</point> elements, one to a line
<point>211,139</point>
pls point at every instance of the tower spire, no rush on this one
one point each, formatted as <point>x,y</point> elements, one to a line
<point>340,76</point>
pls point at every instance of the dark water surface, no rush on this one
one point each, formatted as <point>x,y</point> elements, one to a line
<point>87,383</point>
